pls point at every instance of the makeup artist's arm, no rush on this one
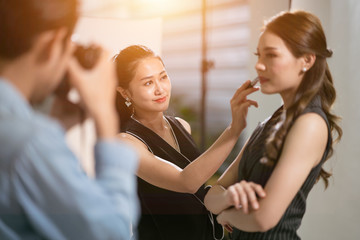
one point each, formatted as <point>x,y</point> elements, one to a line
<point>166,175</point>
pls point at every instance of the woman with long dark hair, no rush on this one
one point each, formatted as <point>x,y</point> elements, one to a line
<point>286,152</point>
<point>172,171</point>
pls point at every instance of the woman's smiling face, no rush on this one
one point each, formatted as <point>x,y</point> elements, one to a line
<point>150,89</point>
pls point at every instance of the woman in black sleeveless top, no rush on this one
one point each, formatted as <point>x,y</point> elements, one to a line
<point>167,214</point>
<point>171,173</point>
<point>286,152</point>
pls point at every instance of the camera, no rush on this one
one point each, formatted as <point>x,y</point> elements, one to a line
<point>87,56</point>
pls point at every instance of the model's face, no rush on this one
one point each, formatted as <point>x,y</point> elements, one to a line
<point>150,89</point>
<point>278,69</point>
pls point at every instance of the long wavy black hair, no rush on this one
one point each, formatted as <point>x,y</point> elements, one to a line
<point>303,34</point>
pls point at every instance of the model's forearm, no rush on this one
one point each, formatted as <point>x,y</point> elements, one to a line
<point>202,168</point>
<point>215,199</point>
<point>246,222</point>
<point>260,220</point>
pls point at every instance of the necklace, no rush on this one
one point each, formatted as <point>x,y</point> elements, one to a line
<point>176,147</point>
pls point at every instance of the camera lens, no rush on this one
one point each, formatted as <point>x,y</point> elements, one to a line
<point>87,55</point>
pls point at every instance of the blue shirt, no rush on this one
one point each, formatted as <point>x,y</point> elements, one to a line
<point>45,194</point>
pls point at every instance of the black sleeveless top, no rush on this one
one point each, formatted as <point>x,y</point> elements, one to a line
<point>251,169</point>
<point>168,215</point>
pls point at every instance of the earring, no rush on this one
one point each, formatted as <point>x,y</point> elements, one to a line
<point>304,69</point>
<point>127,102</point>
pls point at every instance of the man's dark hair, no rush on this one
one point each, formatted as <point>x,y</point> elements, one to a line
<point>22,20</point>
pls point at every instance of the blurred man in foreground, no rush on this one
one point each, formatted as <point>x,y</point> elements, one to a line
<point>44,192</point>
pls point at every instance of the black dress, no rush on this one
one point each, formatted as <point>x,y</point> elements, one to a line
<point>251,169</point>
<point>168,215</point>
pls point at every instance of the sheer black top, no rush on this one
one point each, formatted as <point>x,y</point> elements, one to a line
<point>168,215</point>
<point>251,169</point>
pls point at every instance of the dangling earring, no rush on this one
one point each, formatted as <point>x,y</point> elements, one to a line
<point>127,102</point>
<point>304,69</point>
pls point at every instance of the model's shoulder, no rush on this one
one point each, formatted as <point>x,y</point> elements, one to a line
<point>311,120</point>
<point>310,127</point>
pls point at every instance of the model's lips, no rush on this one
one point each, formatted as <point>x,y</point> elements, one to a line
<point>160,100</point>
<point>263,80</point>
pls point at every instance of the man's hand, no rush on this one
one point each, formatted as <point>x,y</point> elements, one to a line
<point>97,90</point>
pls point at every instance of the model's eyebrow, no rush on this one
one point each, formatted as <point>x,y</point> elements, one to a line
<point>150,77</point>
<point>268,48</point>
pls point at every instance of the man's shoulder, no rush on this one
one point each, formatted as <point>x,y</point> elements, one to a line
<point>16,133</point>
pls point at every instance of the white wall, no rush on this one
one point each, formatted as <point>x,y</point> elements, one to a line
<point>335,213</point>
<point>117,33</point>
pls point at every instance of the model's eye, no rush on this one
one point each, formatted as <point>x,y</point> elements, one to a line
<point>164,77</point>
<point>257,54</point>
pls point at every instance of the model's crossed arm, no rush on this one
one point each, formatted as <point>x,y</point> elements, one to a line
<point>294,165</point>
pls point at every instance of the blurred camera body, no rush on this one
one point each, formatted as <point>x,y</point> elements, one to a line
<point>87,56</point>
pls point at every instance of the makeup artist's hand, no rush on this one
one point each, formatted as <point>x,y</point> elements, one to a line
<point>240,105</point>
